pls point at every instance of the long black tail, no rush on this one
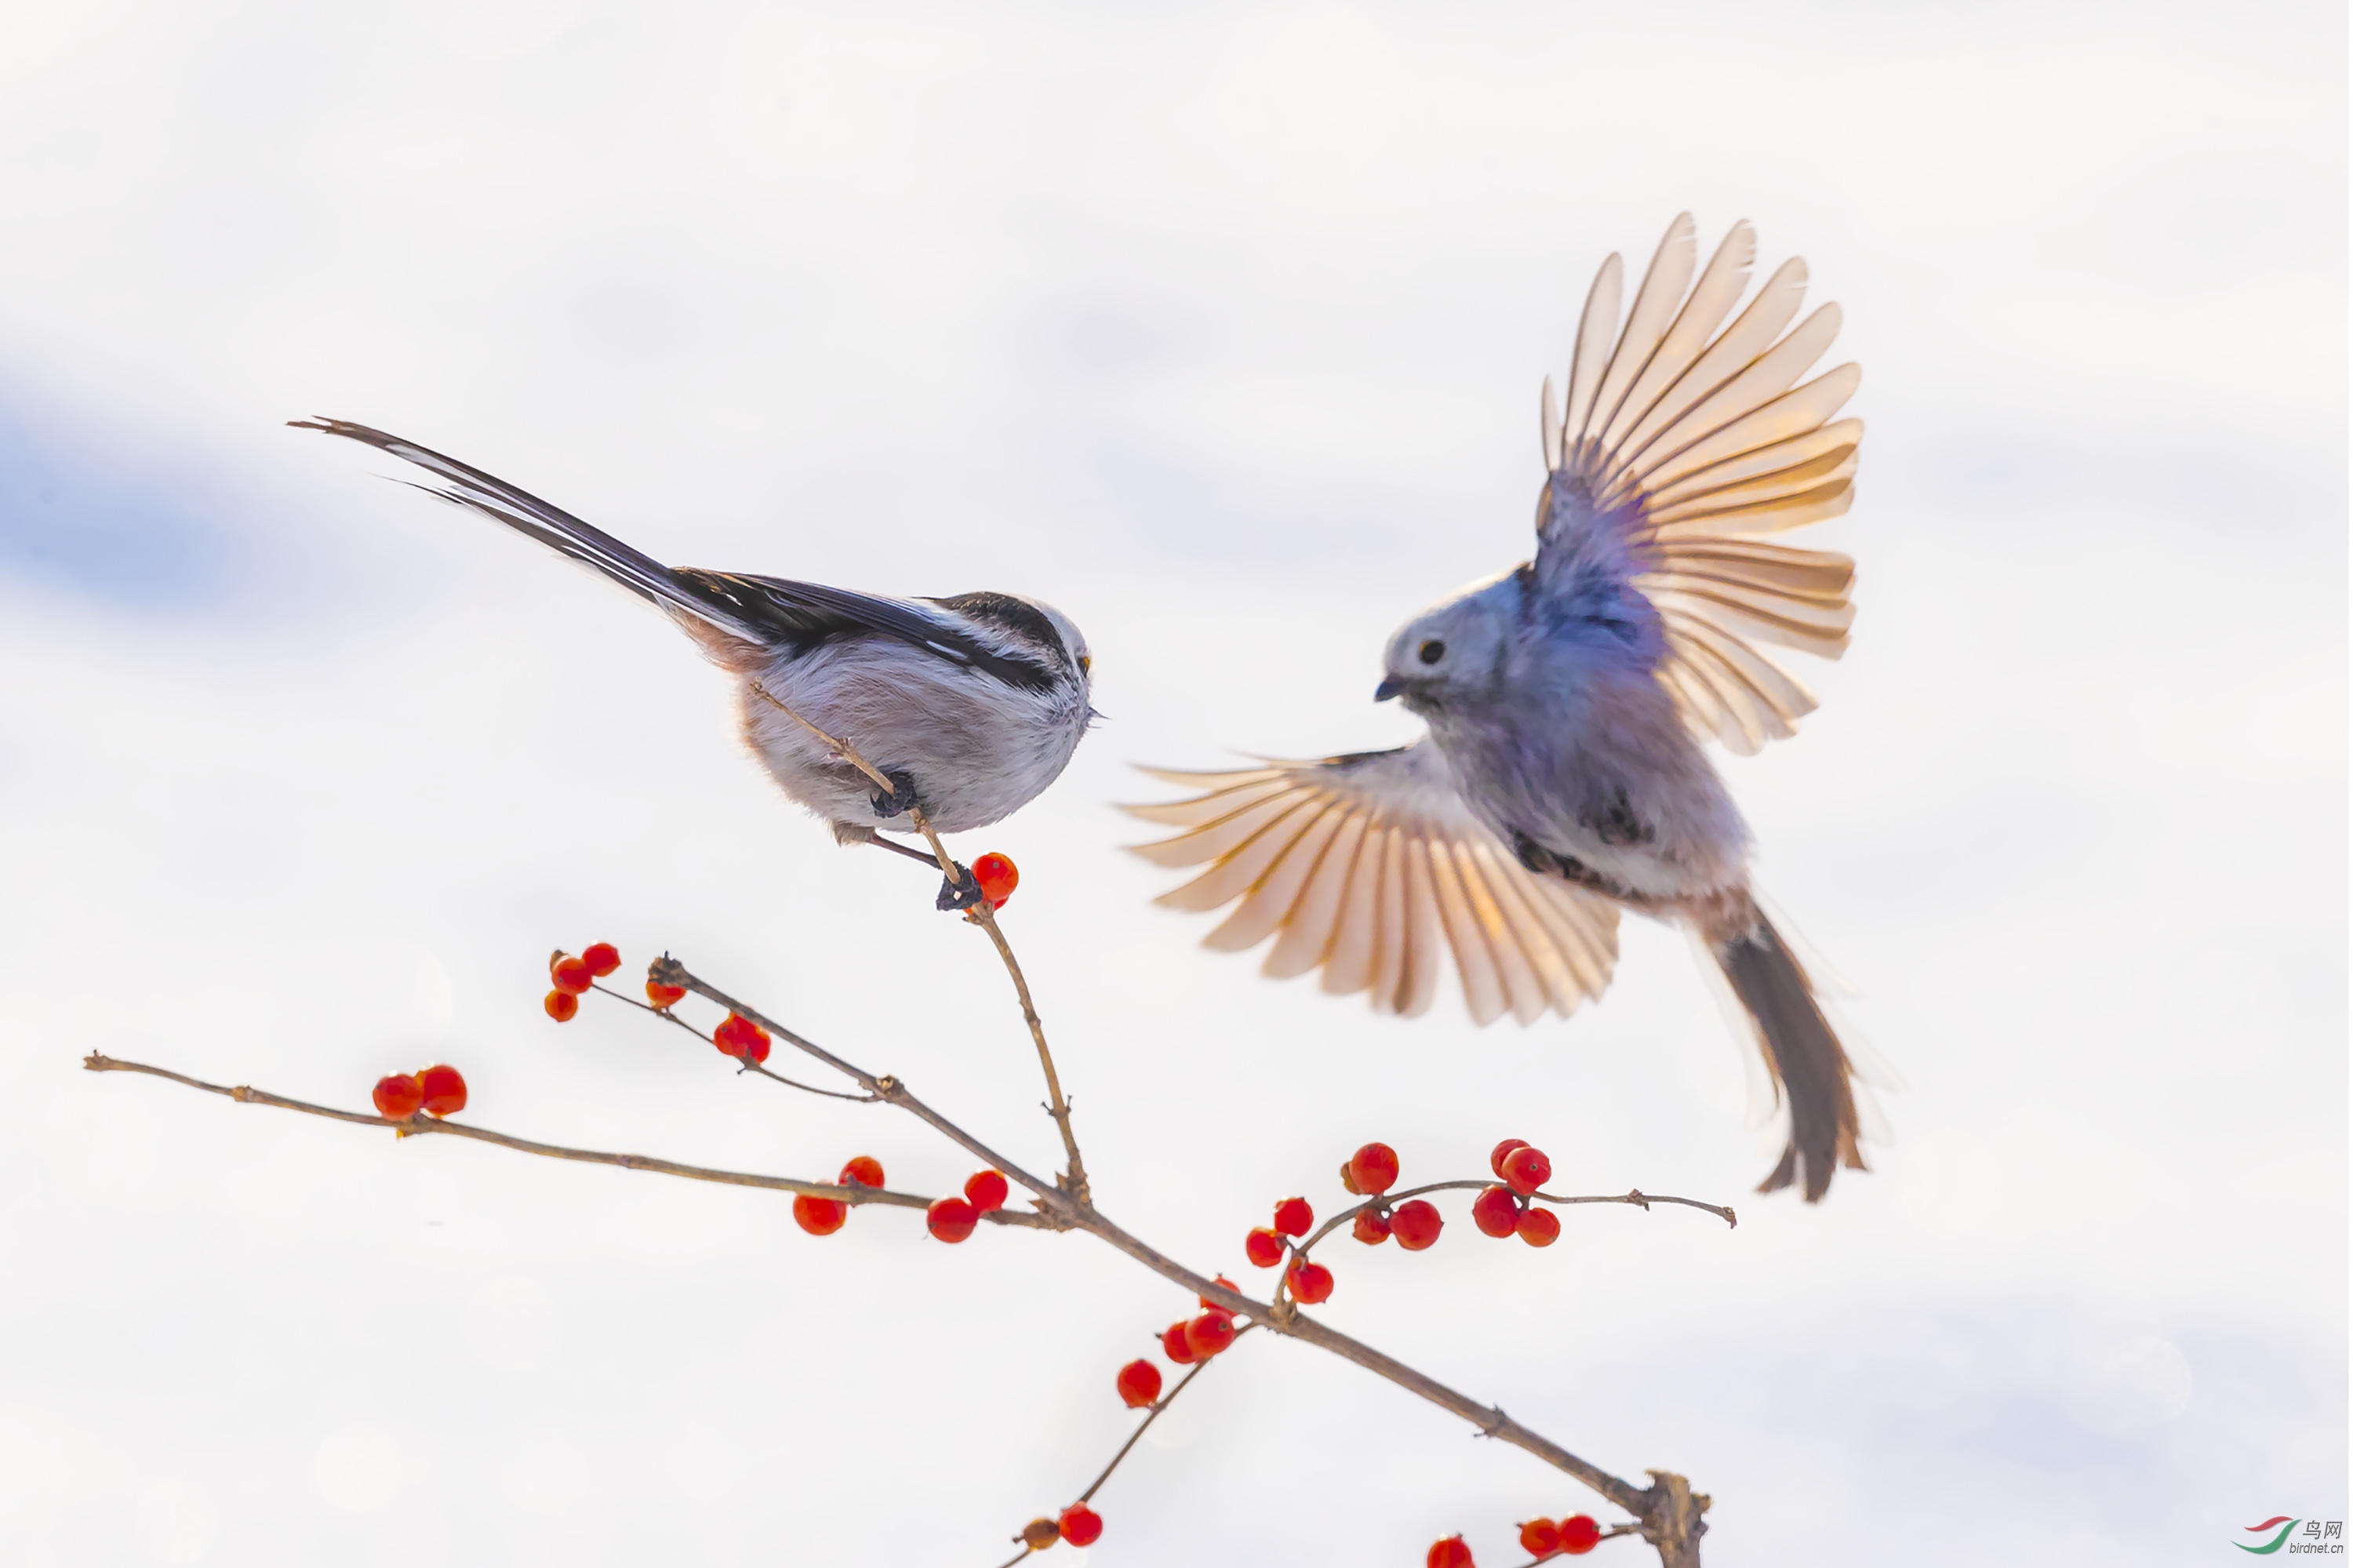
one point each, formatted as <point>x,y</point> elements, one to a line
<point>1808,1064</point>
<point>463,484</point>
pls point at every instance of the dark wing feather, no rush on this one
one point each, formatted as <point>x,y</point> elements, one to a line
<point>802,615</point>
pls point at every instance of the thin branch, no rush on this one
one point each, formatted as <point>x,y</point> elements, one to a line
<point>747,1065</point>
<point>246,1095</point>
<point>1390,1200</point>
<point>984,917</point>
<point>1145,1425</point>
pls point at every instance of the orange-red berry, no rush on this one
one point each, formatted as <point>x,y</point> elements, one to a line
<point>861,1171</point>
<point>1450,1553</point>
<point>1310,1283</point>
<point>1082,1526</point>
<point>1496,1160</point>
<point>1579,1533</point>
<point>1416,1223</point>
<point>988,1190</point>
<point>562,1006</point>
<point>1539,1227</point>
<point>1374,1169</point>
<point>1139,1384</point>
<point>1041,1533</point>
<point>739,1036</point>
<point>398,1096</point>
<point>1540,1538</point>
<point>1371,1229</point>
<point>1263,1247</point>
<point>1348,1180</point>
<point>952,1218</point>
<point>1295,1217</point>
<point>662,995</point>
<point>1173,1345</point>
<point>1525,1169</point>
<point>820,1216</point>
<point>1495,1211</point>
<point>442,1088</point>
<point>570,974</point>
<point>997,879</point>
<point>1209,1334</point>
<point>602,959</point>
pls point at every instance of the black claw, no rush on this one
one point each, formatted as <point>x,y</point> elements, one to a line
<point>900,799</point>
<point>963,893</point>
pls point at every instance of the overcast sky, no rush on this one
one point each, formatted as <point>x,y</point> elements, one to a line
<point>1221,327</point>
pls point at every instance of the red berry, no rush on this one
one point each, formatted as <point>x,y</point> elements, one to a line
<point>561,1005</point>
<point>1371,1229</point>
<point>862,1169</point>
<point>1263,1247</point>
<point>570,974</point>
<point>1173,1345</point>
<point>1579,1533</point>
<point>997,879</point>
<point>1294,1217</point>
<point>1416,1224</point>
<point>1450,1553</point>
<point>1525,1169</point>
<point>1495,1160</point>
<point>1540,1538</point>
<point>1310,1283</point>
<point>602,959</point>
<point>820,1216</point>
<point>739,1036</point>
<point>1495,1211</point>
<point>952,1218</point>
<point>988,1190</point>
<point>398,1096</point>
<point>1139,1384</point>
<point>1211,1306</point>
<point>442,1088</point>
<point>1210,1333</point>
<point>1539,1227</point>
<point>1082,1526</point>
<point>662,995</point>
<point>1374,1169</point>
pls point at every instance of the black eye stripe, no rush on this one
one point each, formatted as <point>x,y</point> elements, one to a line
<point>1432,652</point>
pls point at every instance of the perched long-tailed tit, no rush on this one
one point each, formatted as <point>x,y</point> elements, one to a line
<point>970,704</point>
<point>1562,777</point>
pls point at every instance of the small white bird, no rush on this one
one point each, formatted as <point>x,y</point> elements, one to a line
<point>1562,777</point>
<point>970,704</point>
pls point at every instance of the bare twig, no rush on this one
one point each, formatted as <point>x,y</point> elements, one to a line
<point>1074,1178</point>
<point>246,1095</point>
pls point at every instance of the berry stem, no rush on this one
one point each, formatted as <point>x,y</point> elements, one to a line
<point>1639,1200</point>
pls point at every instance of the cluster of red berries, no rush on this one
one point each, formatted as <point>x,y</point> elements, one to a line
<point>1310,1283</point>
<point>1576,1535</point>
<point>997,879</point>
<point>574,975</point>
<point>951,1219</point>
<point>1372,1170</point>
<point>438,1091</point>
<point>1190,1339</point>
<point>1080,1525</point>
<point>1504,1210</point>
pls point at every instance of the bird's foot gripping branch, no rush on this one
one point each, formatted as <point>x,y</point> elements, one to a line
<point>1513,1206</point>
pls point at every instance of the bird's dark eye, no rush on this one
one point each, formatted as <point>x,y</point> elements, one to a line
<point>1432,652</point>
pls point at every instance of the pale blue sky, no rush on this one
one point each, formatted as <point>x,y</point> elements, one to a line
<point>1221,327</point>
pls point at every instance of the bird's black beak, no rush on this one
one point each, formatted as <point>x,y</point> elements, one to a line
<point>1388,688</point>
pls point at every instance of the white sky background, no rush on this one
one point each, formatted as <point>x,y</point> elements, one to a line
<point>1220,328</point>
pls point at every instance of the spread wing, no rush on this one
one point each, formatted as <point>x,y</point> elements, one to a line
<point>1680,448</point>
<point>1370,866</point>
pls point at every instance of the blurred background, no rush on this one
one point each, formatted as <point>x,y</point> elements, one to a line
<point>1221,327</point>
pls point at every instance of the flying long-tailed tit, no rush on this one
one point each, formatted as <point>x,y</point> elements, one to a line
<point>970,704</point>
<point>1562,778</point>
